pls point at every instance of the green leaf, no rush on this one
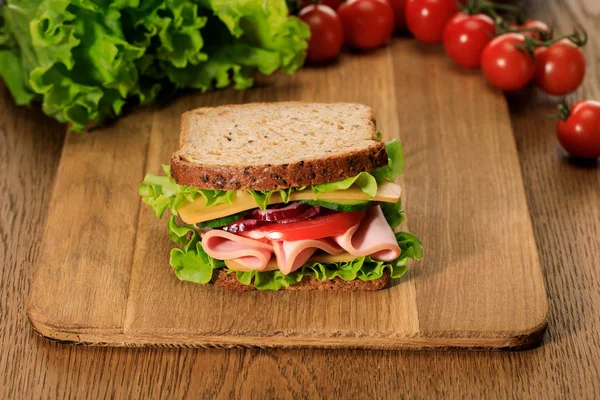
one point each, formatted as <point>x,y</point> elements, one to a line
<point>87,60</point>
<point>11,71</point>
<point>410,245</point>
<point>180,234</point>
<point>285,193</point>
<point>395,165</point>
<point>162,193</point>
<point>17,57</point>
<point>363,268</point>
<point>365,181</point>
<point>393,212</point>
<point>190,263</point>
<point>395,159</point>
<point>245,278</point>
<point>261,197</point>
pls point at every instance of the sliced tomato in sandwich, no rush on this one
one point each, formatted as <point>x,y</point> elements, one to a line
<point>315,228</point>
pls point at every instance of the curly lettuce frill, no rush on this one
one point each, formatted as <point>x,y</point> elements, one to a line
<point>86,60</point>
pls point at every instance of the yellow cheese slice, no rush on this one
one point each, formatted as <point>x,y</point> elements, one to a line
<point>234,266</point>
<point>326,258</point>
<point>272,264</point>
<point>197,211</point>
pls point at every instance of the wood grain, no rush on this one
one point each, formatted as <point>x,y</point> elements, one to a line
<point>479,287</point>
<point>562,197</point>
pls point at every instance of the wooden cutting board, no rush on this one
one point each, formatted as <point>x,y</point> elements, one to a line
<point>104,278</point>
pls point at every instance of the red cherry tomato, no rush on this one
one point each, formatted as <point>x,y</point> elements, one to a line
<point>560,68</point>
<point>326,33</point>
<point>367,23</point>
<point>334,4</point>
<point>533,24</point>
<point>579,134</point>
<point>399,18</point>
<point>505,65</point>
<point>465,37</point>
<point>316,228</point>
<point>426,18</point>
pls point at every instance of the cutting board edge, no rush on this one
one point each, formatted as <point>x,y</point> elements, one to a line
<point>520,340</point>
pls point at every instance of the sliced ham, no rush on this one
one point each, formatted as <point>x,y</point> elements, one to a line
<point>292,255</point>
<point>250,253</point>
<point>371,237</point>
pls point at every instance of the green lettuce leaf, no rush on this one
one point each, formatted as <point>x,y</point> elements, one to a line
<point>262,197</point>
<point>393,213</point>
<point>190,263</point>
<point>11,71</point>
<point>395,165</point>
<point>411,247</point>
<point>17,57</point>
<point>87,60</point>
<point>162,193</point>
<point>365,181</point>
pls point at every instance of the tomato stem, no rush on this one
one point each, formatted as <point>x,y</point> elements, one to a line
<point>494,10</point>
<point>514,10</point>
<point>563,112</point>
<point>543,34</point>
<point>579,38</point>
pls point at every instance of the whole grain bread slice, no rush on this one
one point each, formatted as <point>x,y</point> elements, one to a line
<point>228,281</point>
<point>269,146</point>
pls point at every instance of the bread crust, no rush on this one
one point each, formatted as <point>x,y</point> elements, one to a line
<point>297,120</point>
<point>230,282</point>
<point>282,176</point>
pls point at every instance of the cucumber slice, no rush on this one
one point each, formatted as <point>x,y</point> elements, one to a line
<point>340,205</point>
<point>219,222</point>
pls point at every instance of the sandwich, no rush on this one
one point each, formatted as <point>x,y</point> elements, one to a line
<point>294,195</point>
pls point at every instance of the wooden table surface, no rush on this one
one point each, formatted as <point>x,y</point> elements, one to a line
<point>564,202</point>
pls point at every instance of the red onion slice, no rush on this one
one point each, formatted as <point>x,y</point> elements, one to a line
<point>294,212</point>
<point>277,214</point>
<point>311,212</point>
<point>242,225</point>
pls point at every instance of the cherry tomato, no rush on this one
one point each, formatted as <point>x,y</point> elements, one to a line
<point>316,228</point>
<point>505,65</point>
<point>426,18</point>
<point>465,37</point>
<point>326,32</point>
<point>399,18</point>
<point>533,24</point>
<point>579,134</point>
<point>367,23</point>
<point>560,67</point>
<point>334,4</point>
